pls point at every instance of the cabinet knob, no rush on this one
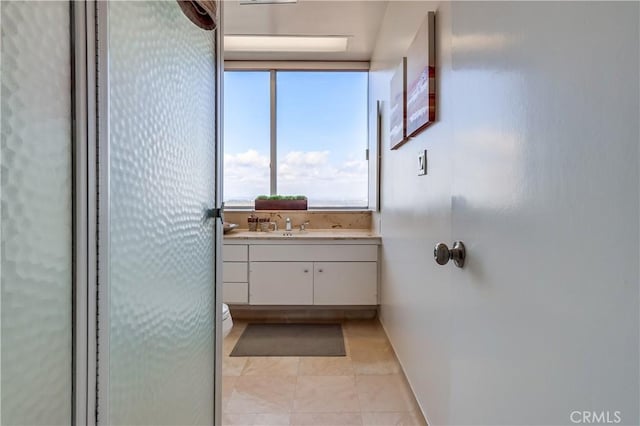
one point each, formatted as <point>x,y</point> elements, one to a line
<point>319,270</point>
<point>306,271</point>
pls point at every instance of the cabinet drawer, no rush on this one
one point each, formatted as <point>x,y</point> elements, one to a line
<point>235,253</point>
<point>313,253</point>
<point>234,272</point>
<point>237,293</point>
<point>345,283</point>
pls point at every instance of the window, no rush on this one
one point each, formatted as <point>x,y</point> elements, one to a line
<point>246,136</point>
<point>320,137</point>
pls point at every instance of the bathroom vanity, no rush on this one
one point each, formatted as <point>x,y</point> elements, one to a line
<point>315,267</point>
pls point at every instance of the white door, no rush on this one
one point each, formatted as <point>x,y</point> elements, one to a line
<point>545,196</point>
<point>281,283</point>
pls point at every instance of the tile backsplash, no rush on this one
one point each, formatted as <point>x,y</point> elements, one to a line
<point>316,219</point>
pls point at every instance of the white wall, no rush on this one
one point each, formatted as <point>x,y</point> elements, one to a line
<point>416,213</point>
<point>533,162</point>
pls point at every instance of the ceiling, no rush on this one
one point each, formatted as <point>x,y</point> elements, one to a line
<point>360,20</point>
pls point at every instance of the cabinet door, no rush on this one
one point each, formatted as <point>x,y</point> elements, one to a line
<point>234,272</point>
<point>235,253</point>
<point>235,293</point>
<point>345,283</point>
<point>281,283</point>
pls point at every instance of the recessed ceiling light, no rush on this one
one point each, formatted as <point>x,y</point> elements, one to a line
<point>264,43</point>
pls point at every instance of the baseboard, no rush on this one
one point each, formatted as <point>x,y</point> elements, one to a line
<point>404,372</point>
<point>302,313</point>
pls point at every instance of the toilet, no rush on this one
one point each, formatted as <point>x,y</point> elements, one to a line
<point>227,322</point>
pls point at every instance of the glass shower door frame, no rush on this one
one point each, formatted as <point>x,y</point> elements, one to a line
<point>102,152</point>
<point>219,197</point>
<point>97,309</point>
<point>84,211</point>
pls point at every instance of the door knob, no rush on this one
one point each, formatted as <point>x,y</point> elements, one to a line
<point>442,254</point>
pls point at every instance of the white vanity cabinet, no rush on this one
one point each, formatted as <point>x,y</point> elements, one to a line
<point>291,272</point>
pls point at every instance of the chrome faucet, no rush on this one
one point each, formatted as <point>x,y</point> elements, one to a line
<point>287,224</point>
<point>303,225</point>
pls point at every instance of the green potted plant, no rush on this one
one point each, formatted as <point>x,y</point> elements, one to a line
<point>281,202</point>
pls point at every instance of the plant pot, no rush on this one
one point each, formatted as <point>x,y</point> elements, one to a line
<point>281,204</point>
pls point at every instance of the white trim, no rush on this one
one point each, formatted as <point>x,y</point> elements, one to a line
<point>78,37</point>
<point>297,65</point>
<point>404,375</point>
<point>217,232</point>
<point>0,235</point>
<point>273,132</point>
<point>92,213</point>
<point>375,160</point>
<point>102,31</point>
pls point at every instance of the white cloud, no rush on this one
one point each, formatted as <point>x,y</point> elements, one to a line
<point>299,172</point>
<point>246,175</point>
<point>250,158</point>
<point>310,158</point>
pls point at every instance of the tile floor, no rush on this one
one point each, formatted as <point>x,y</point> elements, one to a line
<point>364,388</point>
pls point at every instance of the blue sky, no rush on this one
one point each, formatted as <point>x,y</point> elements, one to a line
<point>322,135</point>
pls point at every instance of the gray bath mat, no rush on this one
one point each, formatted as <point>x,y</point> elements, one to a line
<point>290,340</point>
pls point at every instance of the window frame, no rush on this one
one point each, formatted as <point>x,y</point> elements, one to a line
<point>277,66</point>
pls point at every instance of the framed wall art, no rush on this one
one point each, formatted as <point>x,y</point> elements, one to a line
<point>421,78</point>
<point>397,106</point>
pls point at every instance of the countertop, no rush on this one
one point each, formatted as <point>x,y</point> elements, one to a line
<point>310,234</point>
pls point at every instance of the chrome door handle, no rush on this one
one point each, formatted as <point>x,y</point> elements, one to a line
<point>214,213</point>
<point>442,254</point>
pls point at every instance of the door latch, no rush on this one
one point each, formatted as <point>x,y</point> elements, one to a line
<point>215,213</point>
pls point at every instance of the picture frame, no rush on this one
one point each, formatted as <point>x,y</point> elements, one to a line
<point>421,78</point>
<point>397,106</point>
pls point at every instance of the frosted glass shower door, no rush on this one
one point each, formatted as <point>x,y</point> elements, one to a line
<point>161,86</point>
<point>36,192</point>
